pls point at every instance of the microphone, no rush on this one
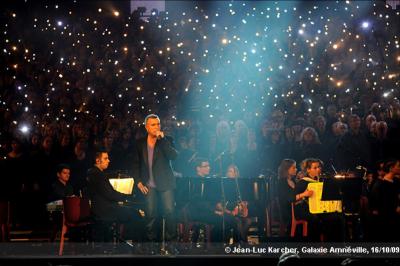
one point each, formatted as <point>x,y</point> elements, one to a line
<point>193,157</point>
<point>334,169</point>
<point>160,135</point>
<point>360,167</point>
<point>219,156</point>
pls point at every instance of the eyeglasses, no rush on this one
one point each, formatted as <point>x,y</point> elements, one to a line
<point>207,165</point>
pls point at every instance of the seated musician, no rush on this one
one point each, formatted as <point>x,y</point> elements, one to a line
<point>239,210</point>
<point>330,224</point>
<point>105,199</point>
<point>286,192</point>
<point>200,209</point>
<point>61,187</point>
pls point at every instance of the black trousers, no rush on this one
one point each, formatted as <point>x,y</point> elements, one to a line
<point>104,227</point>
<point>159,202</point>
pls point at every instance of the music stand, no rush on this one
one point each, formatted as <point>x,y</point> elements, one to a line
<point>240,189</point>
<point>212,189</point>
<point>122,185</point>
<point>352,191</point>
<point>331,190</point>
<point>215,190</point>
<point>352,188</point>
<point>182,192</point>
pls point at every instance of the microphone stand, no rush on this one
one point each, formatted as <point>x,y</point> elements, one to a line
<point>223,198</point>
<point>268,201</point>
<point>223,209</point>
<point>219,159</point>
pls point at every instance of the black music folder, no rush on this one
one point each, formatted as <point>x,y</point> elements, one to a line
<point>331,190</point>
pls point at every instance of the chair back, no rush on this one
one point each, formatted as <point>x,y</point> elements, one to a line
<point>76,214</point>
<point>76,209</point>
<point>295,222</point>
<point>293,217</point>
<point>4,212</point>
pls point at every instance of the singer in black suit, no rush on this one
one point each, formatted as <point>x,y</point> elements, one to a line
<point>152,168</point>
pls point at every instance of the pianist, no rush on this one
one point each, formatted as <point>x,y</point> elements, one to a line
<point>104,198</point>
<point>330,225</point>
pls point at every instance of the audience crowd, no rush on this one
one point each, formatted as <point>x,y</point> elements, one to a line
<point>71,85</point>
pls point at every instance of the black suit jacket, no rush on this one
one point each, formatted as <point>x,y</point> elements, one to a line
<point>102,195</point>
<point>164,152</point>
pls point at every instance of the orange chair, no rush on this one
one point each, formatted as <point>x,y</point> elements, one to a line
<point>295,222</point>
<point>277,220</point>
<point>76,214</point>
<point>4,220</point>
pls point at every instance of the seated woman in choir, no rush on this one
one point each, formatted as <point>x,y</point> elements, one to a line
<point>286,192</point>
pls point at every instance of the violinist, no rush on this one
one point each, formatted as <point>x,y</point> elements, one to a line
<point>236,213</point>
<point>224,216</point>
<point>331,225</point>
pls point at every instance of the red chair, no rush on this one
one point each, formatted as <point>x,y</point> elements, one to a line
<point>295,222</point>
<point>76,214</point>
<point>4,220</point>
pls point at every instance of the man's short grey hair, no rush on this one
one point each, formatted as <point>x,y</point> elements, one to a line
<point>150,116</point>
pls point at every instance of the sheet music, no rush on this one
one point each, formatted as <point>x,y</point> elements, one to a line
<point>122,185</point>
<point>316,205</point>
<point>54,206</point>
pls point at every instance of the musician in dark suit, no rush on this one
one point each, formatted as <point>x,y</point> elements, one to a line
<point>152,168</point>
<point>104,198</point>
<point>61,187</point>
<point>199,207</point>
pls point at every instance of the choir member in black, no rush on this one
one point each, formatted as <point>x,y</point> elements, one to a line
<point>14,176</point>
<point>354,148</point>
<point>330,224</point>
<point>80,162</point>
<point>385,205</point>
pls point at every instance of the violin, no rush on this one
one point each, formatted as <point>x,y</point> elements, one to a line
<point>241,209</point>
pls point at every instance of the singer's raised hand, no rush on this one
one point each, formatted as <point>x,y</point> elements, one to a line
<point>160,134</point>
